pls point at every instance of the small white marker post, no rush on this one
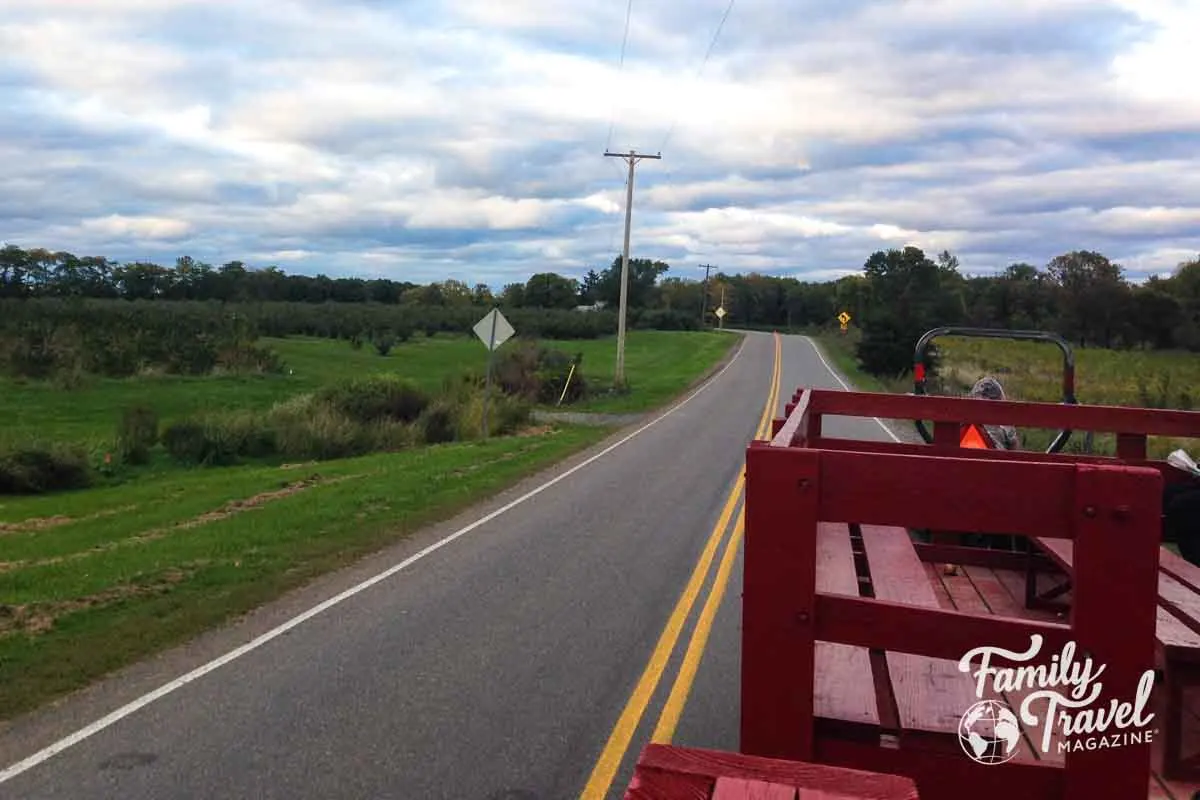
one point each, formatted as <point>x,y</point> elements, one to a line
<point>493,330</point>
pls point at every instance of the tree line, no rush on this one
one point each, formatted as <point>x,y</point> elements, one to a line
<point>47,273</point>
<point>899,294</point>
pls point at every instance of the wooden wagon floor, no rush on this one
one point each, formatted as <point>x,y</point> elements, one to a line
<point>981,590</point>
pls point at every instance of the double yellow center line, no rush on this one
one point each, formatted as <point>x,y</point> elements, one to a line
<point>614,751</point>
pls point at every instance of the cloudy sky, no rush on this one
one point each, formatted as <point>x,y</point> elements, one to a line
<point>424,140</point>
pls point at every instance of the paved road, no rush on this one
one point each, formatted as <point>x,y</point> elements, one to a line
<point>494,667</point>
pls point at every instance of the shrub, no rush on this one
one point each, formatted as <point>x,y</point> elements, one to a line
<point>243,434</point>
<point>515,370</point>
<point>376,398</point>
<point>186,441</point>
<point>438,423</point>
<point>137,433</point>
<point>244,357</point>
<point>36,469</point>
<point>510,416</point>
<point>666,320</point>
<point>553,372</point>
<point>537,374</point>
<point>384,342</point>
<point>317,432</point>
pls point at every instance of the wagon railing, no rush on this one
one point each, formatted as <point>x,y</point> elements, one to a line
<point>801,479</point>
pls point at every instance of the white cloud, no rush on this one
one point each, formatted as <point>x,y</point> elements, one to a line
<point>1164,67</point>
<point>467,137</point>
<point>143,227</point>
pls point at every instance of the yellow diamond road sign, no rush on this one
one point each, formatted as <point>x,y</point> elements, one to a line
<point>721,313</point>
<point>844,318</point>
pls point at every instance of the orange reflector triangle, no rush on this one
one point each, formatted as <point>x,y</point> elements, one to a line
<point>973,437</point>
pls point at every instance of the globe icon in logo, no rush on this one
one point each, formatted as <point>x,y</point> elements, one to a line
<point>989,733</point>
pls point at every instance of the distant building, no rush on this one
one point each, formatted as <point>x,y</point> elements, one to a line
<point>597,306</point>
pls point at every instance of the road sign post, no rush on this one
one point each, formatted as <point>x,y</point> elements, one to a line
<point>721,317</point>
<point>493,330</point>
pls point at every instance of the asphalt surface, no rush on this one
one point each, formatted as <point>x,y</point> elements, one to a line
<point>494,667</point>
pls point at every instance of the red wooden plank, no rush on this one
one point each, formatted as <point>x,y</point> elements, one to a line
<point>820,794</point>
<point>1170,474</point>
<point>1131,446</point>
<point>778,595</point>
<point>1183,600</point>
<point>1177,639</point>
<point>972,556</point>
<point>1157,790</point>
<point>1021,456</point>
<point>1014,583</point>
<point>971,495</point>
<point>1179,568</point>
<point>655,784</point>
<point>844,681</point>
<point>962,592</point>
<point>930,631</point>
<point>713,764</point>
<point>992,592</point>
<point>931,694</point>
<point>795,426</point>
<point>1108,419</point>
<point>746,789</point>
<point>1062,552</point>
<point>939,588</point>
<point>1177,631</point>
<point>1117,519</point>
<point>997,599</point>
<point>950,775</point>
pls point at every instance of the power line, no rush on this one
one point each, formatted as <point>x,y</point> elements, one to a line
<point>620,68</point>
<point>703,64</point>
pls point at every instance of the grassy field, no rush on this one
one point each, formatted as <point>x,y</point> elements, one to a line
<point>1033,371</point>
<point>658,364</point>
<point>93,580</point>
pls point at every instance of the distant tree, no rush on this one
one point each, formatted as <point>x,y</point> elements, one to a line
<point>481,295</point>
<point>589,288</point>
<point>550,290</point>
<point>1093,297</point>
<point>513,295</point>
<point>643,275</point>
<point>897,296</point>
<point>678,294</point>
<point>909,295</point>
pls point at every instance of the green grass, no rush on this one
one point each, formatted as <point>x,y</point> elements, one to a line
<point>94,580</point>
<point>659,365</point>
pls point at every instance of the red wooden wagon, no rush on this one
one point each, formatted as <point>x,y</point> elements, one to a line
<point>850,659</point>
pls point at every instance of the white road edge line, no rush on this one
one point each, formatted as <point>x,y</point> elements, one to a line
<point>838,378</point>
<point>124,711</point>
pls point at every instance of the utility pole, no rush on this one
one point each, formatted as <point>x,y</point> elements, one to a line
<point>704,293</point>
<point>632,157</point>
